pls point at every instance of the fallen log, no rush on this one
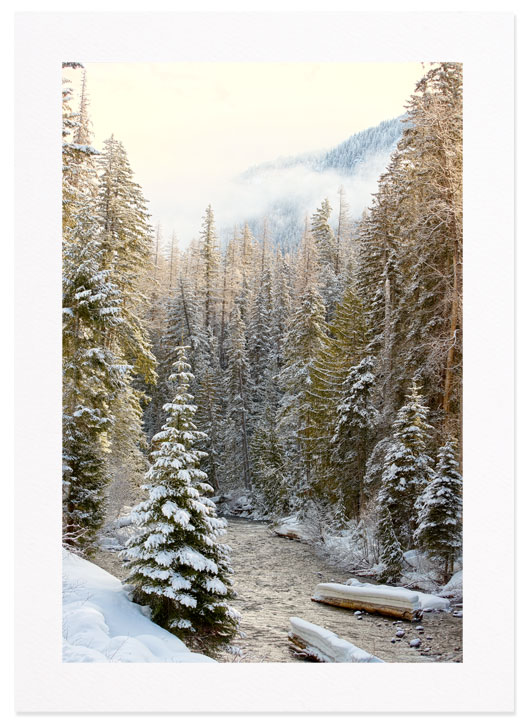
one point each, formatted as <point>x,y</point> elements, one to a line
<point>289,528</point>
<point>317,644</point>
<point>287,535</point>
<point>373,599</point>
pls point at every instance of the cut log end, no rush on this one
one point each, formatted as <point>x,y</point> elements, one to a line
<point>301,651</point>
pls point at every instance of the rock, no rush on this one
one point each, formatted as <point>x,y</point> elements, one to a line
<point>357,613</point>
<point>428,637</point>
<point>393,640</point>
<point>457,614</point>
<point>420,628</point>
<point>415,642</point>
<point>400,633</point>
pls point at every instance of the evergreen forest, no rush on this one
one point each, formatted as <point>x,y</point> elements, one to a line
<point>321,381</point>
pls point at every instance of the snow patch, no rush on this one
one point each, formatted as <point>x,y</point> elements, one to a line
<point>291,528</point>
<point>101,624</point>
<point>454,587</point>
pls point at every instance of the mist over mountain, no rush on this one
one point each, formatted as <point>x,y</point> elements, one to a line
<point>288,189</point>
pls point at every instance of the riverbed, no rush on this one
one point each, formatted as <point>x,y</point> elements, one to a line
<point>275,578</point>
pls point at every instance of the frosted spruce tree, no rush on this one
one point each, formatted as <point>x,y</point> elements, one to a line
<point>270,486</point>
<point>91,381</point>
<point>355,427</point>
<point>178,567</point>
<point>439,511</point>
<point>92,376</point>
<point>391,554</point>
<point>326,244</point>
<point>295,420</point>
<point>406,469</point>
<point>237,465</point>
<point>340,349</point>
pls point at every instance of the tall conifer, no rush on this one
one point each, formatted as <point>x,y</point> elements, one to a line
<point>178,567</point>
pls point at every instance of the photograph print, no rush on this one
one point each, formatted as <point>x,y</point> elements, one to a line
<point>262,362</point>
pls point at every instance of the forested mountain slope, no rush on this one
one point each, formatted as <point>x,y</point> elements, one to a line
<point>293,185</point>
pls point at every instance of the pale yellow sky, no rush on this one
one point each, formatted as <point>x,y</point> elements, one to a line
<point>189,128</point>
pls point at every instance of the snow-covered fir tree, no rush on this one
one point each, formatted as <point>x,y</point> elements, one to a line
<point>354,434</point>
<point>93,374</point>
<point>259,341</point>
<point>126,240</point>
<point>209,398</point>
<point>210,268</point>
<point>329,263</point>
<point>439,511</point>
<point>269,473</point>
<point>178,566</point>
<point>339,349</point>
<point>93,379</point>
<point>391,553</point>
<point>237,464</point>
<point>407,467</point>
<point>296,421</point>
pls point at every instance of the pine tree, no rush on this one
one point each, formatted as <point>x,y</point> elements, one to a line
<point>210,267</point>
<point>271,492</point>
<point>230,287</point>
<point>79,178</point>
<point>407,469</point>
<point>246,262</point>
<point>93,376</point>
<point>379,284</point>
<point>93,379</point>
<point>281,305</point>
<point>178,567</point>
<point>209,397</point>
<point>126,240</point>
<point>431,149</point>
<point>324,235</point>
<point>307,268</point>
<point>354,433</point>
<point>259,341</point>
<point>345,254</point>
<point>340,348</point>
<point>238,386</point>
<point>270,484</point>
<point>439,511</point>
<point>391,554</point>
<point>296,415</point>
<point>329,262</point>
<point>184,318</point>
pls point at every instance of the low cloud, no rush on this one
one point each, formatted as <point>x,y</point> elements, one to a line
<point>239,199</point>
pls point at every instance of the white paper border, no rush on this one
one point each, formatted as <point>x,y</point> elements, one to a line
<point>484,682</point>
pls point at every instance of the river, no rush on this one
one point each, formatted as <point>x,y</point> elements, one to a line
<point>275,578</point>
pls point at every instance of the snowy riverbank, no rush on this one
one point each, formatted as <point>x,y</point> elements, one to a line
<point>349,550</point>
<point>100,623</point>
